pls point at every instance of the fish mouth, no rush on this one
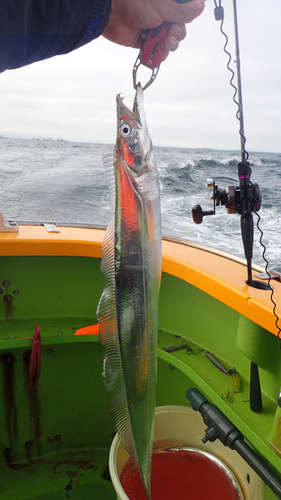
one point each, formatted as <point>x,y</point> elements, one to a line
<point>138,107</point>
<point>138,113</point>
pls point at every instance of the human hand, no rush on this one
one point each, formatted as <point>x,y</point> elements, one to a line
<point>130,17</point>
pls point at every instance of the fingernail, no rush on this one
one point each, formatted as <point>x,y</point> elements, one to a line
<point>174,44</point>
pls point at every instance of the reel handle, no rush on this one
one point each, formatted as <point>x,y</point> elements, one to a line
<point>198,214</point>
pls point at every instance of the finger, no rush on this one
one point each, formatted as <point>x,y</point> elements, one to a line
<point>171,43</point>
<point>178,31</point>
<point>138,41</point>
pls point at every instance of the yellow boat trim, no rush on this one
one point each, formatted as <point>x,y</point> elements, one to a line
<point>210,271</point>
<point>36,240</point>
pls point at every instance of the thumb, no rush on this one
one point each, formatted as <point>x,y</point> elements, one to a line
<point>181,12</point>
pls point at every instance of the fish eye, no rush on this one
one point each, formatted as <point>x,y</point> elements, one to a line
<point>125,130</point>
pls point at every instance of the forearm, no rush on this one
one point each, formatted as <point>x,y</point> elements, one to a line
<point>32,30</point>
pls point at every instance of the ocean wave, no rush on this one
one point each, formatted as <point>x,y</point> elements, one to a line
<point>57,180</point>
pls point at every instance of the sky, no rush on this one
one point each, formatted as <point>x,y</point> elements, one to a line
<point>189,105</point>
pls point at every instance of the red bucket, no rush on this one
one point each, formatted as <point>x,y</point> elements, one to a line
<point>184,467</point>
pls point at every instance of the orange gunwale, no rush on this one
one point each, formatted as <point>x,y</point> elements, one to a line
<point>218,274</point>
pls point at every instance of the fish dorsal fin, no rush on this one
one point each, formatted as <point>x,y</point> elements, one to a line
<point>108,329</point>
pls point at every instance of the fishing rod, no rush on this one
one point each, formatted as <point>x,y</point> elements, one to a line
<point>244,154</point>
<point>244,171</point>
<point>245,198</point>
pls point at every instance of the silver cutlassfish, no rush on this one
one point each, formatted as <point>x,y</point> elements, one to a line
<point>131,264</point>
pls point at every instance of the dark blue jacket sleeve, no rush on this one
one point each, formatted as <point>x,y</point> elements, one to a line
<point>32,30</point>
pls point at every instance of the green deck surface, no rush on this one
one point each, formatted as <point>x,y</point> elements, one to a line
<point>75,475</point>
<point>54,441</point>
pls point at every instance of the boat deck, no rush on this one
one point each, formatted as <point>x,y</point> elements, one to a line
<point>61,432</point>
<point>71,475</point>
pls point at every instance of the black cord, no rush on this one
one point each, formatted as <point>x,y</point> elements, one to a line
<point>219,16</point>
<point>246,154</point>
<point>269,278</point>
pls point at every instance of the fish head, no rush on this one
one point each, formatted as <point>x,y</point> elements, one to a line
<point>133,141</point>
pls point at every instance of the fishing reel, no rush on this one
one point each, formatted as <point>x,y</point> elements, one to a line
<point>230,197</point>
<point>243,200</point>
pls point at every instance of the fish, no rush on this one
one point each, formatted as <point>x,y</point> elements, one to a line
<point>131,263</point>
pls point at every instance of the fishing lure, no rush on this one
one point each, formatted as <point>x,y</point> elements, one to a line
<point>215,362</point>
<point>237,384</point>
<point>233,372</point>
<point>236,380</point>
<point>174,348</point>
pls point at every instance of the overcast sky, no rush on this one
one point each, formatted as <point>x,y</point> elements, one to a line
<point>189,104</point>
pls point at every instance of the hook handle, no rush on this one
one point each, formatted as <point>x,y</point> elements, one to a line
<point>153,52</point>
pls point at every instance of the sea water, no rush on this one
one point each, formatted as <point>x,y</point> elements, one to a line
<point>59,181</point>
